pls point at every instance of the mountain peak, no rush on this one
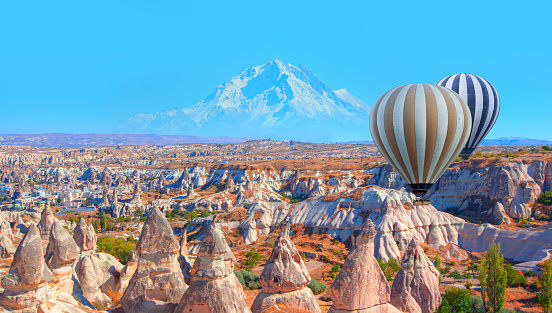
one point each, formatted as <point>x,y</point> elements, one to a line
<point>276,100</point>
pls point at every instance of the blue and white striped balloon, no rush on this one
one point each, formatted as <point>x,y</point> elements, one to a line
<point>482,100</point>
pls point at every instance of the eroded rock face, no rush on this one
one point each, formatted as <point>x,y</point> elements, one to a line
<point>360,284</point>
<point>157,284</point>
<point>25,285</point>
<point>418,279</point>
<point>7,249</point>
<point>5,228</point>
<point>214,286</point>
<point>85,236</point>
<point>62,250</point>
<point>285,277</point>
<point>97,274</point>
<point>46,221</point>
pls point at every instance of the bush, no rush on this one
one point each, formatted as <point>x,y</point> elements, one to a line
<point>118,247</point>
<point>477,305</point>
<point>248,279</point>
<point>515,278</point>
<point>336,268</point>
<point>253,258</point>
<point>529,273</point>
<point>468,285</point>
<point>546,148</point>
<point>390,268</point>
<point>317,287</point>
<point>458,301</point>
<point>545,198</point>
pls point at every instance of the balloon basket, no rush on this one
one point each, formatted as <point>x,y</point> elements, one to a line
<point>420,201</point>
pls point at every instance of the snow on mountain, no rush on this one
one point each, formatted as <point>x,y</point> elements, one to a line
<point>274,100</point>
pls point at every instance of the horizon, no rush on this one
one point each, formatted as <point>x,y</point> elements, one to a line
<point>66,73</point>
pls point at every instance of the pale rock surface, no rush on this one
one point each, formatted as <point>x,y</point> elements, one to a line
<point>26,284</point>
<point>85,236</point>
<point>7,249</point>
<point>157,284</point>
<point>418,279</point>
<point>361,286</point>
<point>62,250</point>
<point>5,228</point>
<point>46,221</point>
<point>284,278</point>
<point>96,275</point>
<point>214,287</point>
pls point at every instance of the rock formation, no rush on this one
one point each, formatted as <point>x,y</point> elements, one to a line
<point>418,279</point>
<point>361,286</point>
<point>62,250</point>
<point>214,286</point>
<point>7,249</point>
<point>46,221</point>
<point>157,284</point>
<point>284,278</point>
<point>26,284</point>
<point>97,275</point>
<point>183,259</point>
<point>85,236</point>
<point>5,228</point>
<point>229,185</point>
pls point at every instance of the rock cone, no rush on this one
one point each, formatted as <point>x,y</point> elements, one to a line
<point>85,236</point>
<point>7,249</point>
<point>157,284</point>
<point>214,286</point>
<point>418,279</point>
<point>62,249</point>
<point>284,278</point>
<point>361,286</point>
<point>46,221</point>
<point>25,285</point>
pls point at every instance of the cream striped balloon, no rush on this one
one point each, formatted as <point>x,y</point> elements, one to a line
<point>420,129</point>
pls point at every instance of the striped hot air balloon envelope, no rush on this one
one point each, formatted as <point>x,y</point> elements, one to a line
<point>483,101</point>
<point>420,129</point>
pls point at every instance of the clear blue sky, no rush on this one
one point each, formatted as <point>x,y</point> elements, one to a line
<point>86,66</point>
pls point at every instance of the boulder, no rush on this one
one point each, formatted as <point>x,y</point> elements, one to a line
<point>361,286</point>
<point>418,279</point>
<point>85,236</point>
<point>284,278</point>
<point>157,284</point>
<point>214,287</point>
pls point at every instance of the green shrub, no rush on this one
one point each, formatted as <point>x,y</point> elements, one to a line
<point>253,258</point>
<point>515,278</point>
<point>248,279</point>
<point>529,273</point>
<point>336,268</point>
<point>317,287</point>
<point>457,301</point>
<point>118,247</point>
<point>477,305</point>
<point>545,198</point>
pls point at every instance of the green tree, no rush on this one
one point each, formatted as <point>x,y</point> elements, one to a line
<point>437,262</point>
<point>87,203</point>
<point>103,221</point>
<point>546,148</point>
<point>336,268</point>
<point>496,277</point>
<point>456,300</point>
<point>545,281</point>
<point>483,282</point>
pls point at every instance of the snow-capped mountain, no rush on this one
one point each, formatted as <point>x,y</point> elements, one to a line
<point>276,100</point>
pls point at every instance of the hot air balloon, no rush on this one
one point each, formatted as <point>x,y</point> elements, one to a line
<point>483,101</point>
<point>420,129</point>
